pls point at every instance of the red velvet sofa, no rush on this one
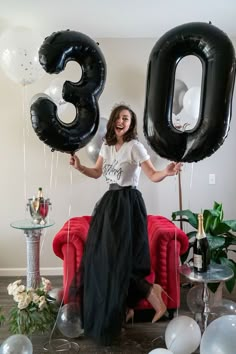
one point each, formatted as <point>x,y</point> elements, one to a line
<point>167,242</point>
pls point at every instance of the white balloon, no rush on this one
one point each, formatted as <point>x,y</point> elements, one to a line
<point>191,101</point>
<point>19,55</point>
<point>179,91</point>
<point>182,335</point>
<point>220,336</point>
<point>160,351</point>
<point>94,146</point>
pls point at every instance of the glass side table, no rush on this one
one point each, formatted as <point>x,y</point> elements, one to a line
<point>33,233</point>
<point>215,274</point>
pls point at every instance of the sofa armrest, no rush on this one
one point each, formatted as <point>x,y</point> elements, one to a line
<point>74,231</point>
<point>68,244</point>
<point>167,242</point>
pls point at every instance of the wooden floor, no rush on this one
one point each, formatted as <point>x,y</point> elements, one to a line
<point>139,337</point>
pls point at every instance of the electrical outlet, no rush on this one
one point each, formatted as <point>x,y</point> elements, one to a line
<point>212,178</point>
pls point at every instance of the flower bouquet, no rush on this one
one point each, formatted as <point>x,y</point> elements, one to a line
<point>34,310</point>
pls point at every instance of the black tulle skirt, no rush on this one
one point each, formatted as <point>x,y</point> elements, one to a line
<point>115,261</point>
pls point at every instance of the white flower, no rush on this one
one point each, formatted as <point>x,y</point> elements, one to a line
<point>13,287</point>
<point>19,297</point>
<point>35,298</point>
<point>42,303</point>
<point>24,302</point>
<point>31,289</point>
<point>21,288</point>
<point>47,286</point>
<point>17,282</point>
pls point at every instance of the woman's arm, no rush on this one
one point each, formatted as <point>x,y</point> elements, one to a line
<point>171,169</point>
<point>93,172</point>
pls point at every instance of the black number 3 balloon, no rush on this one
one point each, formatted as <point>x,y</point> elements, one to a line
<point>216,53</point>
<point>55,52</point>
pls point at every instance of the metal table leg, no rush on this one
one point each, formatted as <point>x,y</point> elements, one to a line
<point>206,310</point>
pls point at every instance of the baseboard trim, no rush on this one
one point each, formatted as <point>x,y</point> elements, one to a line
<point>9,272</point>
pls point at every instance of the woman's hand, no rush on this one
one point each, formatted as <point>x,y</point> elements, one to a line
<point>93,172</point>
<point>75,162</point>
<point>154,175</point>
<point>173,168</point>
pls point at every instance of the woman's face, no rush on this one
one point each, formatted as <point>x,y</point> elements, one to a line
<point>122,123</point>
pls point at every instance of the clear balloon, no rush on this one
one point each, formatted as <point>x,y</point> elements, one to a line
<point>69,322</point>
<point>179,91</point>
<point>60,108</point>
<point>38,95</point>
<point>17,343</point>
<point>220,336</point>
<point>225,307</point>
<point>19,55</point>
<point>160,351</point>
<point>182,335</point>
<point>191,101</point>
<point>56,294</point>
<point>94,146</point>
<point>55,91</point>
<point>194,299</point>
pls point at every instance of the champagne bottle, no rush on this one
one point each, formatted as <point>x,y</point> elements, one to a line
<point>40,194</point>
<point>201,256</point>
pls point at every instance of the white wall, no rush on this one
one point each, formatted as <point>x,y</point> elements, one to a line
<point>27,163</point>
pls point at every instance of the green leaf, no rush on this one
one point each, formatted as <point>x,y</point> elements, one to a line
<point>192,218</point>
<point>231,264</point>
<point>231,224</point>
<point>221,228</point>
<point>215,241</point>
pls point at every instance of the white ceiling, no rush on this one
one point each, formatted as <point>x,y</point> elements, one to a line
<point>116,18</point>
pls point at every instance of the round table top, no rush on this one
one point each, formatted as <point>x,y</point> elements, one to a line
<point>30,225</point>
<point>215,273</point>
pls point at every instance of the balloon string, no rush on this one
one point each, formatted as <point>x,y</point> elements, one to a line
<point>180,198</point>
<point>46,193</point>
<point>67,252</point>
<point>44,153</point>
<point>56,167</point>
<point>24,143</point>
<point>191,185</point>
<point>191,177</point>
<point>177,268</point>
<point>51,171</point>
<point>177,185</point>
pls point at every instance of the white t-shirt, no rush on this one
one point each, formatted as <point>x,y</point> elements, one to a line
<point>123,166</point>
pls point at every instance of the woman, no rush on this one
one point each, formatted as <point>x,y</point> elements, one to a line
<point>116,258</point>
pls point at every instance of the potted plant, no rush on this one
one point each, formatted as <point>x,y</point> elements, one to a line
<point>220,236</point>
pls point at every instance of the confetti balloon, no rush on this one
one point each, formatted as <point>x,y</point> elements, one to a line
<point>19,55</point>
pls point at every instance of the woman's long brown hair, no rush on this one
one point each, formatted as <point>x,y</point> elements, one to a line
<point>110,136</point>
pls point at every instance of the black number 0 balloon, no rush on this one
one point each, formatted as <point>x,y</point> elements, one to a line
<point>55,52</point>
<point>216,53</point>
